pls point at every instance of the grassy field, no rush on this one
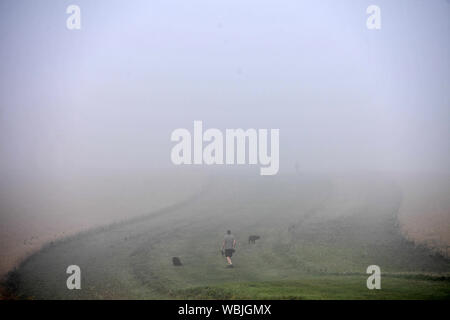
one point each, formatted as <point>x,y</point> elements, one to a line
<point>37,210</point>
<point>318,235</point>
<point>323,287</point>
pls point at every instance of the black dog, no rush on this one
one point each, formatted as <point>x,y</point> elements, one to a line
<point>252,239</point>
<point>176,261</point>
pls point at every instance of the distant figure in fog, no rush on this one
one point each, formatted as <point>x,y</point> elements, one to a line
<point>176,261</point>
<point>229,244</point>
<point>253,238</point>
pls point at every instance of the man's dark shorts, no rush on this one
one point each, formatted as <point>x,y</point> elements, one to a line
<point>229,252</point>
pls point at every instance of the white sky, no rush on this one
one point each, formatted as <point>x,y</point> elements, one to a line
<point>108,96</point>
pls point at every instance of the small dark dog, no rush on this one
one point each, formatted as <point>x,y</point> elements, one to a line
<point>176,261</point>
<point>252,239</point>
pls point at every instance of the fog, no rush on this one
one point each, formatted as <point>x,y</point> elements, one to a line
<point>76,105</point>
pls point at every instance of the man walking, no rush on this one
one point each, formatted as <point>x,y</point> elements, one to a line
<point>229,244</point>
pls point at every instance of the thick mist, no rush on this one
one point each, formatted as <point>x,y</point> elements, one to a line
<point>107,97</point>
<point>86,115</point>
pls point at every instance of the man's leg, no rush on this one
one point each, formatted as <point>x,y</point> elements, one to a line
<point>229,260</point>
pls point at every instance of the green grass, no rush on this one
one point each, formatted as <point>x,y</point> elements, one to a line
<point>322,287</point>
<point>317,239</point>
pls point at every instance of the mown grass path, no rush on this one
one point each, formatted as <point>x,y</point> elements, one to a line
<point>318,235</point>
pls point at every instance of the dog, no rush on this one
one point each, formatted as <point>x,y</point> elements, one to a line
<point>176,261</point>
<point>253,238</point>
